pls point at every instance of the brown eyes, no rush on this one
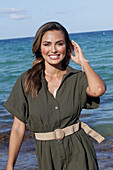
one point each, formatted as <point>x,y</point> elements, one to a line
<point>60,44</point>
<point>48,44</point>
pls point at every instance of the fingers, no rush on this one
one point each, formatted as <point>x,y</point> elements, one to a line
<point>71,55</point>
<point>78,53</point>
<point>74,58</point>
<point>75,44</point>
<point>77,48</point>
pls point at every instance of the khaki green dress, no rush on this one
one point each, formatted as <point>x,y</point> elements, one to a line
<point>46,113</point>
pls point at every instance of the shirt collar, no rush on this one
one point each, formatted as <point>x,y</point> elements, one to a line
<point>69,71</point>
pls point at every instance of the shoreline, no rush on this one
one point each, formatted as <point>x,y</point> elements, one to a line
<point>104,152</point>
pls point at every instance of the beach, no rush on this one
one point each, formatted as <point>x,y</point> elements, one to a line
<point>16,58</point>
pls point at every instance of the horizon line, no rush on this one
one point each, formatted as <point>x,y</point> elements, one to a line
<point>68,33</point>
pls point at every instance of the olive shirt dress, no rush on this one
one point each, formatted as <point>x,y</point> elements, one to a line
<point>45,113</point>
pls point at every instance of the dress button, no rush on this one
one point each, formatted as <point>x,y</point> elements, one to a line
<point>56,107</point>
<point>62,155</point>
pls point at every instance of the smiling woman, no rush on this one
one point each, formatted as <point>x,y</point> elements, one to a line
<point>50,97</point>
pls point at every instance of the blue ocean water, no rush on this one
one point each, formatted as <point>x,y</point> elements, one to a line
<point>16,57</point>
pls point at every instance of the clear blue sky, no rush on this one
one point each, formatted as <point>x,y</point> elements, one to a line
<point>22,18</point>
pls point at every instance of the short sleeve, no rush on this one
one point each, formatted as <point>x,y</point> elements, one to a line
<point>87,102</point>
<point>17,101</point>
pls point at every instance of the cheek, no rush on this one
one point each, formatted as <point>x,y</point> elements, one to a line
<point>44,50</point>
<point>62,50</point>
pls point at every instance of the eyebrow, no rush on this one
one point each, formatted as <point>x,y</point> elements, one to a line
<point>56,41</point>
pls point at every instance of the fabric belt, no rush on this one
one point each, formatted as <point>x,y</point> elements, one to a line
<point>59,134</point>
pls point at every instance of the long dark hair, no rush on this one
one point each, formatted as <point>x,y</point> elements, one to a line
<point>33,81</point>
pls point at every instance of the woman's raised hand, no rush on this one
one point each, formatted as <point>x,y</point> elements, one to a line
<point>79,56</point>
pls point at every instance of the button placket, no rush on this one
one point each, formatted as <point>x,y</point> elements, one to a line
<point>61,149</point>
<point>56,110</point>
<point>57,126</point>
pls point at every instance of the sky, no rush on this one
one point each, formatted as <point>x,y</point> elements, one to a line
<point>22,18</point>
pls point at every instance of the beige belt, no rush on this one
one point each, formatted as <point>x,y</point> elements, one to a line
<point>59,134</point>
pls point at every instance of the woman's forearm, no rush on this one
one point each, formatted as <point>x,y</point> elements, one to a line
<point>96,86</point>
<point>16,138</point>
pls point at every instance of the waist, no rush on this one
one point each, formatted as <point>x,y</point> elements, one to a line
<point>59,134</point>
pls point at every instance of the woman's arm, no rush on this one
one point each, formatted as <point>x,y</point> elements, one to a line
<point>96,86</point>
<point>16,138</point>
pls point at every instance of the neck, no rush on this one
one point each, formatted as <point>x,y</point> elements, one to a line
<point>53,70</point>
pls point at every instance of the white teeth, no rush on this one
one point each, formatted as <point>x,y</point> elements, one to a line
<point>55,56</point>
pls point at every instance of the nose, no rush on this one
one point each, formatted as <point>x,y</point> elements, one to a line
<point>53,48</point>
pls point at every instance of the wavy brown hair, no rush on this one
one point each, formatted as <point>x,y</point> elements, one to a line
<point>33,79</point>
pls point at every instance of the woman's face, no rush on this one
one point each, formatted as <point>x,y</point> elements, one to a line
<point>53,47</point>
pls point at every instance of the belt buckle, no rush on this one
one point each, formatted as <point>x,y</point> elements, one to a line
<point>58,134</point>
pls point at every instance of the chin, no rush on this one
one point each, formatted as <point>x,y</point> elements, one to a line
<point>54,62</point>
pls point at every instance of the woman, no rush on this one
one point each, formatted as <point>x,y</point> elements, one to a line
<point>49,97</point>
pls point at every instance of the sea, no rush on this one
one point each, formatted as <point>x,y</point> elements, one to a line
<point>16,57</point>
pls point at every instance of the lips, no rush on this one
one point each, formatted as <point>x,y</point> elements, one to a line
<point>54,57</point>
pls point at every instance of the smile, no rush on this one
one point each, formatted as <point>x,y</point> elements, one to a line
<point>54,57</point>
